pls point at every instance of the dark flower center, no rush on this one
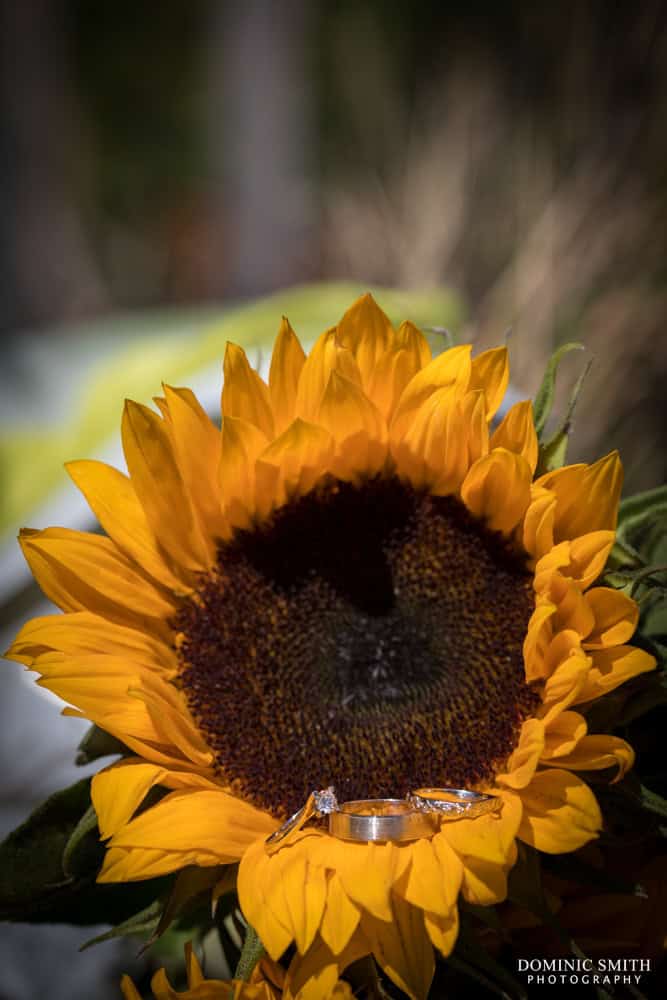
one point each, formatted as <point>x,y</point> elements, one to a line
<point>367,637</point>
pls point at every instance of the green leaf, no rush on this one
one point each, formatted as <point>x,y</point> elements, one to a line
<point>544,400</point>
<point>553,452</point>
<point>190,884</point>
<point>637,508</point>
<point>75,857</point>
<point>141,924</point>
<point>653,802</point>
<point>34,886</point>
<point>571,868</point>
<point>97,743</point>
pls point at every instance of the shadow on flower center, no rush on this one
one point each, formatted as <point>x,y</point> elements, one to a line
<point>367,636</point>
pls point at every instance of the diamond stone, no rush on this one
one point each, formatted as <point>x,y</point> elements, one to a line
<point>325,800</point>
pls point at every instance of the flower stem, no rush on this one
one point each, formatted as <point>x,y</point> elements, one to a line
<point>252,951</point>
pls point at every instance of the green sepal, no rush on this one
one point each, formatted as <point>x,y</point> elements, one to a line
<point>544,400</point>
<point>141,924</point>
<point>252,951</point>
<point>552,453</point>
<point>34,886</point>
<point>97,743</point>
<point>77,855</point>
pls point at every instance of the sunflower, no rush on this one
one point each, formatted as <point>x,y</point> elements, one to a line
<point>356,582</point>
<point>267,983</point>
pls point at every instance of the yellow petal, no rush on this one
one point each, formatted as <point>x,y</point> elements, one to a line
<point>596,753</point>
<point>99,686</point>
<point>242,443</point>
<point>114,503</point>
<point>157,482</point>
<point>451,369</point>
<point>211,822</point>
<point>485,838</point>
<point>443,931</point>
<point>612,667</point>
<point>563,734</point>
<point>523,761</point>
<point>79,571</point>
<point>402,948</point>
<point>615,617</point>
<point>425,879</point>
<point>314,976</point>
<point>582,559</point>
<point>367,872</point>
<point>367,332</point>
<point>192,966</point>
<point>516,432</point>
<point>394,369</point>
<point>587,496</point>
<point>305,892</point>
<point>572,608</point>
<point>490,372</point>
<point>497,489</point>
<point>128,989</point>
<point>197,444</point>
<point>420,452</point>
<point>301,455</point>
<point>538,638</point>
<point>244,394</point>
<point>262,899</point>
<point>562,688</point>
<point>327,355</point>
<point>356,426</point>
<point>82,632</point>
<point>588,556</point>
<point>538,524</point>
<point>341,916</point>
<point>560,813</point>
<point>446,436</point>
<point>123,864</point>
<point>118,791</point>
<point>287,360</point>
<point>486,848</point>
<point>168,708</point>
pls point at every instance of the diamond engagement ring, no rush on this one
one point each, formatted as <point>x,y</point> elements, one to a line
<point>317,804</point>
<point>365,820</point>
<point>453,802</point>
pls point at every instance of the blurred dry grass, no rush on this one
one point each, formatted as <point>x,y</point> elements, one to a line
<point>551,221</point>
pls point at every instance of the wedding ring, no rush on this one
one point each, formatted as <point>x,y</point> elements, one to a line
<point>365,820</point>
<point>453,802</point>
<point>317,804</point>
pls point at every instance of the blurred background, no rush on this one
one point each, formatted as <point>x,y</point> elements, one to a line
<point>161,164</point>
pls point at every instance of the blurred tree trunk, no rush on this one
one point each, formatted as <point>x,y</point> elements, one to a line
<point>260,138</point>
<point>46,269</point>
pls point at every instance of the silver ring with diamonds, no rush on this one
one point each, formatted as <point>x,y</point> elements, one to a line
<point>317,804</point>
<point>365,820</point>
<point>454,802</point>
